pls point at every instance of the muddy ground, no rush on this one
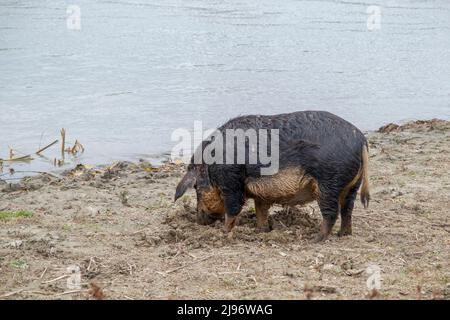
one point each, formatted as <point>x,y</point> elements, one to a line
<point>119,226</point>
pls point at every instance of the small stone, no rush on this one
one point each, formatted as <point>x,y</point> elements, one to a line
<point>16,244</point>
<point>329,267</point>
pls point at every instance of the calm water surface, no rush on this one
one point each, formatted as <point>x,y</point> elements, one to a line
<point>139,69</point>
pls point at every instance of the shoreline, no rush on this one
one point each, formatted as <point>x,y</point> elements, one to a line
<point>118,224</point>
<point>164,158</point>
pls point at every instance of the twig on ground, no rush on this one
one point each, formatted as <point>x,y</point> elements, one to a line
<point>56,279</point>
<point>187,265</point>
<point>9,294</point>
<point>70,292</point>
<point>43,273</point>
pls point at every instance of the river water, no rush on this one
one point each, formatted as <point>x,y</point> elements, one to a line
<point>136,70</point>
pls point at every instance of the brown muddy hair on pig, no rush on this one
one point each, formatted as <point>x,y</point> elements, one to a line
<point>322,158</point>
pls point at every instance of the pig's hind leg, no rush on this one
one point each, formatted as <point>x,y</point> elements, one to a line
<point>329,207</point>
<point>346,211</point>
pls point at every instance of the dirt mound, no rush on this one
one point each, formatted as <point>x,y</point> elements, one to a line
<point>419,125</point>
<point>123,169</point>
<point>288,224</point>
<point>30,183</point>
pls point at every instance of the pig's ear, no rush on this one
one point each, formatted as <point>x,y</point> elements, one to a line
<point>188,181</point>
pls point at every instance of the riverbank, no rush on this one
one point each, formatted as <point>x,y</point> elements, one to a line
<point>120,227</point>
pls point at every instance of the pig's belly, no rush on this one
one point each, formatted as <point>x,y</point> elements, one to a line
<point>288,187</point>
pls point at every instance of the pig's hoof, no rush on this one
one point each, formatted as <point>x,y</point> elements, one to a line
<point>227,229</point>
<point>320,238</point>
<point>263,229</point>
<point>343,233</point>
<point>230,222</point>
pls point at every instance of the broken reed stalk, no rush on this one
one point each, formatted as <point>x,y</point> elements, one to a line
<point>63,141</point>
<point>77,147</point>
<point>46,147</point>
<point>24,158</point>
<point>27,157</point>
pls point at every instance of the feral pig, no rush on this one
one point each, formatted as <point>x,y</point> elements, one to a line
<point>322,158</point>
